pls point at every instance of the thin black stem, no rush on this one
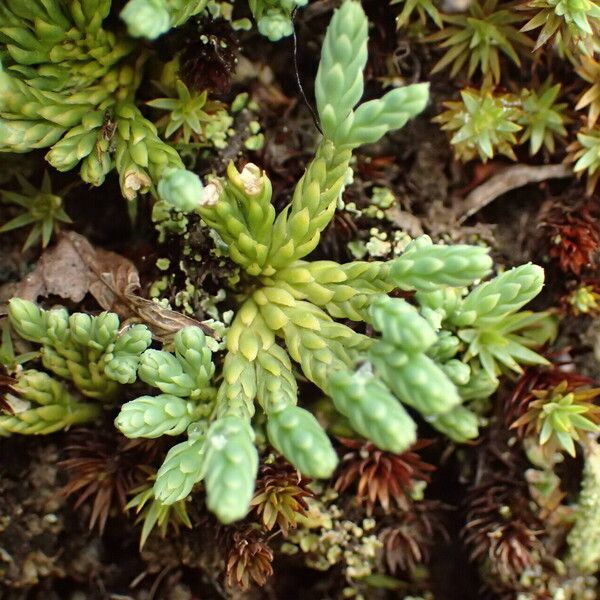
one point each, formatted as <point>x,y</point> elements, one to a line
<point>298,80</point>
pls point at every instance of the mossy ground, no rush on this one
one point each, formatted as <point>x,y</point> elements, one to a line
<point>46,550</point>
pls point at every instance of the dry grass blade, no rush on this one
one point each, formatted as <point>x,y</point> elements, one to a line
<point>509,179</point>
<point>6,383</point>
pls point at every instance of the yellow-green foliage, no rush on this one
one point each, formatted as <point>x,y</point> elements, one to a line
<point>481,124</point>
<point>477,39</point>
<point>43,210</point>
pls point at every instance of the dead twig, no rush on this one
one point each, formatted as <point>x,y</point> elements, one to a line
<point>510,178</point>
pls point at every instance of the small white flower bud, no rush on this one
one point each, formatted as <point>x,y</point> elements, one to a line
<point>251,178</point>
<point>211,194</point>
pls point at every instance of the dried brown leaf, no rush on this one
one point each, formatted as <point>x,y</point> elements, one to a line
<point>111,275</point>
<point>74,267</point>
<point>163,322</point>
<point>114,286</point>
<point>60,271</point>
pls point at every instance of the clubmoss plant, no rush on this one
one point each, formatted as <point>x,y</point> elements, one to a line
<point>274,17</point>
<point>290,295</point>
<point>89,351</point>
<point>289,306</point>
<point>489,320</point>
<point>68,84</point>
<point>41,405</point>
<point>152,18</point>
<point>183,377</point>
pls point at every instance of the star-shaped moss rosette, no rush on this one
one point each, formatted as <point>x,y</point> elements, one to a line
<point>43,211</point>
<point>478,38</point>
<point>542,117</point>
<point>188,114</point>
<point>573,24</point>
<point>584,152</point>
<point>419,8</point>
<point>561,416</point>
<point>481,124</point>
<point>589,70</point>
